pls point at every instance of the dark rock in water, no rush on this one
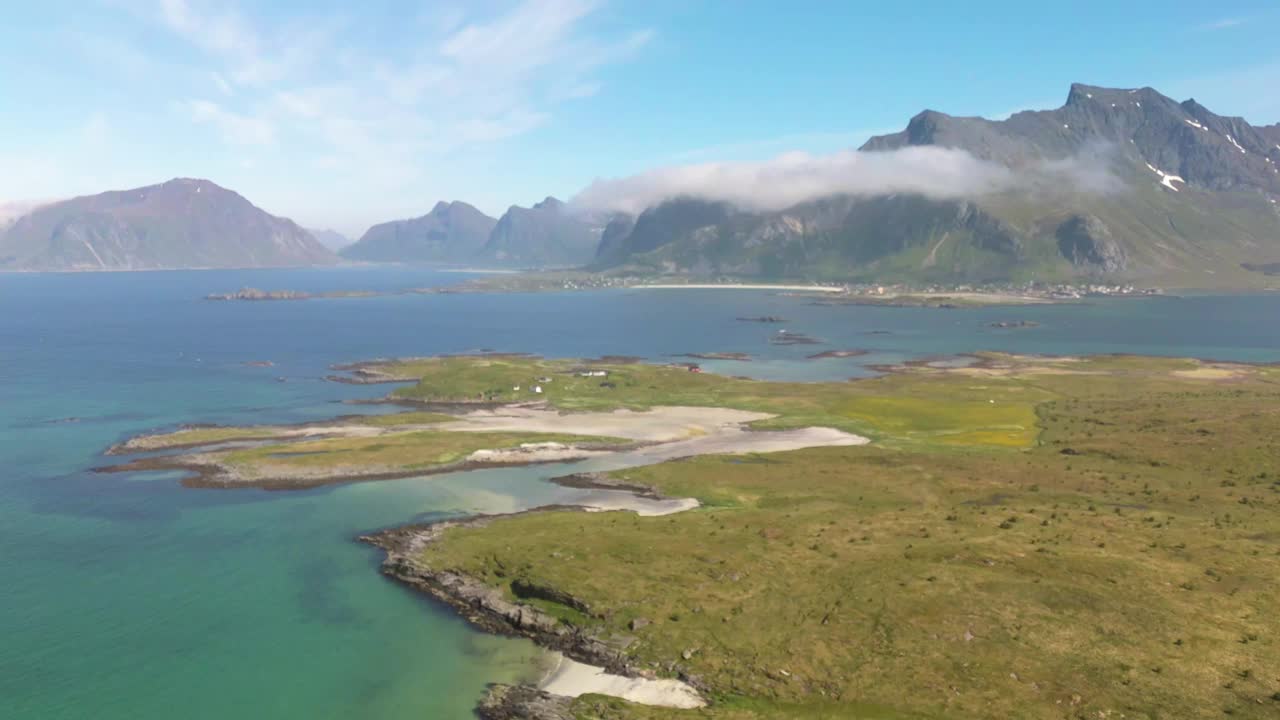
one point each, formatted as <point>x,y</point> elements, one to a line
<point>1087,242</point>
<point>256,294</point>
<point>739,356</point>
<point>793,338</point>
<point>616,360</point>
<point>837,354</point>
<point>521,702</point>
<point>1012,324</point>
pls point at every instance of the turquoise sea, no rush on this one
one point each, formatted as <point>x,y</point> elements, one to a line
<point>128,596</point>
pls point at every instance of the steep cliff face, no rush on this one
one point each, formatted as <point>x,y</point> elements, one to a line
<point>1087,242</point>
<point>451,232</point>
<point>183,223</point>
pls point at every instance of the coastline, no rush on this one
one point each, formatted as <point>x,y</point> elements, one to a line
<point>739,286</point>
<point>587,662</point>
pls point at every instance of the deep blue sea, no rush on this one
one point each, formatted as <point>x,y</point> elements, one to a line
<point>128,596</point>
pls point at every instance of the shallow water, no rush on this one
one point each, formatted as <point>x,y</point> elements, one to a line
<point>128,596</point>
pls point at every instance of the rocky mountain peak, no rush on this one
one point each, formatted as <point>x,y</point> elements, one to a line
<point>550,203</point>
<point>184,222</point>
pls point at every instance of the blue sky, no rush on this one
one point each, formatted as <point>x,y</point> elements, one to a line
<point>342,114</point>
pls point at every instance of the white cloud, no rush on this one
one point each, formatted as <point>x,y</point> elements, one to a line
<point>221,83</point>
<point>235,129</point>
<point>1223,24</point>
<point>12,210</point>
<point>376,114</point>
<point>382,109</point>
<point>222,32</point>
<point>797,177</point>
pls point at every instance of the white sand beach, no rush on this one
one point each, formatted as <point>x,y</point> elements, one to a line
<point>571,679</point>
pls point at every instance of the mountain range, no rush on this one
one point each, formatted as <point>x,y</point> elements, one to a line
<point>1190,199</point>
<point>1117,185</point>
<point>545,235</point>
<point>331,239</point>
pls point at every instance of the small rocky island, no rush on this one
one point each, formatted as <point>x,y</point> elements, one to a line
<point>787,337</point>
<point>255,295</point>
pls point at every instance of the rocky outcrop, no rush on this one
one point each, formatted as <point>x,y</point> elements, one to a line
<point>485,606</point>
<point>253,294</point>
<point>1087,243</point>
<point>521,702</point>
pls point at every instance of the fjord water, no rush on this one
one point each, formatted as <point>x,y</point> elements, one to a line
<point>128,596</point>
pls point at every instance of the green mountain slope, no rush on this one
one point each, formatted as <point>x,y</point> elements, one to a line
<point>1178,196</point>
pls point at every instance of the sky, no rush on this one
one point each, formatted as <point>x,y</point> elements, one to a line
<point>341,114</point>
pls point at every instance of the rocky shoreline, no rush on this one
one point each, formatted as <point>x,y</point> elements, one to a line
<point>485,608</point>
<point>207,472</point>
<point>738,356</point>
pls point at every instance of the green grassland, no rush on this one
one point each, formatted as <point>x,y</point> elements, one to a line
<point>1102,541</point>
<point>199,436</point>
<point>893,409</point>
<point>391,453</point>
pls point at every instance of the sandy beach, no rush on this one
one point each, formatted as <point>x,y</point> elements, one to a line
<point>571,679</point>
<point>654,435</point>
<point>660,424</point>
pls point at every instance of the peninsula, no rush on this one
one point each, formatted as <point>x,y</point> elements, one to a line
<point>795,549</point>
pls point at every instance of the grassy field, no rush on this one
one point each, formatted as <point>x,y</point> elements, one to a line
<point>198,436</point>
<point>391,453</point>
<point>1101,541</point>
<point>894,409</point>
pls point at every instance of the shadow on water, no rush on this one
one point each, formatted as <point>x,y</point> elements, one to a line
<point>319,594</point>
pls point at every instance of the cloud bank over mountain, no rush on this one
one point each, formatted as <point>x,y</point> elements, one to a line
<point>792,178</point>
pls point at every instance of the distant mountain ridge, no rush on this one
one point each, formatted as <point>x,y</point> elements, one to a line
<point>545,235</point>
<point>1185,197</point>
<point>1197,201</point>
<point>331,239</point>
<point>183,223</point>
<point>451,232</point>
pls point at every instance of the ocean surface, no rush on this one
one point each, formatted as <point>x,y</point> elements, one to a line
<point>128,596</point>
